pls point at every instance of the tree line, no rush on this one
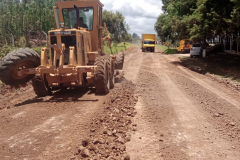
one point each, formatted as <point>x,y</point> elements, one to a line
<point>198,20</point>
<point>18,17</point>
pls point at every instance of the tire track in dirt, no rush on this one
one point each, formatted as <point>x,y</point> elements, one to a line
<point>222,115</point>
<point>149,141</point>
<point>193,121</point>
<point>208,87</point>
<point>132,63</point>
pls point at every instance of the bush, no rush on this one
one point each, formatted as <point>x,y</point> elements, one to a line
<point>22,42</point>
<point>5,49</point>
<point>117,47</point>
<point>37,49</point>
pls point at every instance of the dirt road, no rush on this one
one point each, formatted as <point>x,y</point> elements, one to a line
<point>180,115</point>
<point>46,128</point>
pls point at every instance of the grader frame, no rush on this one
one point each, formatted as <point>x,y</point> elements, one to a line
<point>75,53</point>
<point>88,46</point>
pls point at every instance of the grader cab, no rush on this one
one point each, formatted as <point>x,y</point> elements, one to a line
<point>75,55</point>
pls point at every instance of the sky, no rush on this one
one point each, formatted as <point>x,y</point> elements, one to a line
<point>140,15</point>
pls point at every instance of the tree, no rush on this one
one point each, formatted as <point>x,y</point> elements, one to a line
<point>116,25</point>
<point>198,19</point>
<point>135,36</point>
<point>163,28</point>
<point>21,15</point>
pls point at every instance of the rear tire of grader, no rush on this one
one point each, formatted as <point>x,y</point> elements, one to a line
<point>111,73</point>
<point>119,61</point>
<point>40,86</point>
<point>102,76</point>
<point>15,60</point>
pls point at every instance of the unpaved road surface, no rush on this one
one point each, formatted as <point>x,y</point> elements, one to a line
<point>181,114</point>
<point>46,128</point>
<point>177,114</point>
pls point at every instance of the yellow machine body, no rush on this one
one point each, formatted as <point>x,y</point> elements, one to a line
<point>72,49</point>
<point>184,46</point>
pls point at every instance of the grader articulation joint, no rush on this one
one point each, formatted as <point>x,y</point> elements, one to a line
<point>76,53</point>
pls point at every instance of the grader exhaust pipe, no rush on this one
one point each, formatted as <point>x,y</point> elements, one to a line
<point>77,12</point>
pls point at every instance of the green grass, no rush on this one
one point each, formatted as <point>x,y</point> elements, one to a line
<point>170,51</point>
<point>120,47</point>
<point>166,50</point>
<point>163,48</point>
<point>37,49</point>
<point>5,49</point>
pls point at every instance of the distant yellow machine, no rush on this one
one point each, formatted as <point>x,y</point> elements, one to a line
<point>148,42</point>
<point>184,46</point>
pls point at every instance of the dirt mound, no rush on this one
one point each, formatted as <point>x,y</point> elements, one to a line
<point>5,89</point>
<point>8,93</point>
<point>110,131</point>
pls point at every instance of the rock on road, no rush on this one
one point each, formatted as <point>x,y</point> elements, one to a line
<point>180,115</point>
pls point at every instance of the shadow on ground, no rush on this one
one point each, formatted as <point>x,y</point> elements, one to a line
<point>64,95</point>
<point>221,64</point>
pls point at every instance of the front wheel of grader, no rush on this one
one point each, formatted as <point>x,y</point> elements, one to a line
<point>102,84</point>
<point>40,86</point>
<point>16,60</point>
<point>111,68</point>
<point>119,61</point>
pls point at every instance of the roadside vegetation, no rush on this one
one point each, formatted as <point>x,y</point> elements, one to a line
<point>117,47</point>
<point>21,18</point>
<point>166,50</point>
<point>198,20</point>
<point>5,49</point>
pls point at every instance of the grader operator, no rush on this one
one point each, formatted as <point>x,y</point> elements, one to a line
<point>76,53</point>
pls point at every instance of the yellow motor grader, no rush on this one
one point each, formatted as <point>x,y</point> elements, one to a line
<point>75,55</point>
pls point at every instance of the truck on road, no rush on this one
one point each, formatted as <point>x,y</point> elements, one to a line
<point>148,42</point>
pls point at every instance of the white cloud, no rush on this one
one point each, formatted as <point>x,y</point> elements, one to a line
<point>140,15</point>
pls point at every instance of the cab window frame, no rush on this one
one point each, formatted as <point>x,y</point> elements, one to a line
<point>80,8</point>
